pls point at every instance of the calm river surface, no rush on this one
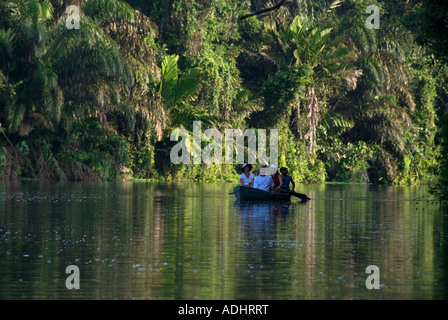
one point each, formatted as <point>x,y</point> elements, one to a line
<point>194,241</point>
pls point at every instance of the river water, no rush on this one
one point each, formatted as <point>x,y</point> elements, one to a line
<point>134,240</point>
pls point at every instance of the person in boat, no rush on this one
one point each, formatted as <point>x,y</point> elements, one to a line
<point>264,181</point>
<point>286,180</point>
<point>276,177</point>
<point>247,177</point>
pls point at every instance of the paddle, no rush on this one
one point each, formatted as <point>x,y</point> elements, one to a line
<point>301,196</point>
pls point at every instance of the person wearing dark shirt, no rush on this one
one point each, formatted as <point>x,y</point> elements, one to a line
<point>286,181</point>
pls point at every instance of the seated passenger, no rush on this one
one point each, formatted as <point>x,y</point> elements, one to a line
<point>247,177</point>
<point>276,177</point>
<point>263,181</point>
<point>287,179</point>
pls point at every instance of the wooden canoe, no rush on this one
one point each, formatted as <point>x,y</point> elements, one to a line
<point>243,193</point>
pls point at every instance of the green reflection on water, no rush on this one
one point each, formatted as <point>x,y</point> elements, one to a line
<point>194,241</point>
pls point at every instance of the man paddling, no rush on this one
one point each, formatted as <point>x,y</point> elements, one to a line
<point>286,180</point>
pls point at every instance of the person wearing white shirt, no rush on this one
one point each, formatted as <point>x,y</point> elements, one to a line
<point>263,181</point>
<point>247,177</point>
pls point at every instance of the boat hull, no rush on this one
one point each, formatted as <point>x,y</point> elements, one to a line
<point>243,193</point>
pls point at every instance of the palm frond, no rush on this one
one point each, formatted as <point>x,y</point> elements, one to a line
<point>102,10</point>
<point>15,115</point>
<point>169,76</point>
<point>6,45</point>
<point>187,85</point>
<point>335,124</point>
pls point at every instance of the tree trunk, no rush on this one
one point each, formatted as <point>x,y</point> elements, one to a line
<point>313,116</point>
<point>294,120</point>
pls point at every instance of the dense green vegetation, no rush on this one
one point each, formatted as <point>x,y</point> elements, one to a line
<point>99,102</point>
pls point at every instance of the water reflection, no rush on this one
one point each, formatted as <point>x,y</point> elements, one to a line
<point>193,241</point>
<point>261,218</point>
<point>259,265</point>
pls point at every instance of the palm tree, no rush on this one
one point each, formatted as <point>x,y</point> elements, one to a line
<point>53,77</point>
<point>308,46</point>
<point>31,93</point>
<point>383,103</point>
<point>50,67</point>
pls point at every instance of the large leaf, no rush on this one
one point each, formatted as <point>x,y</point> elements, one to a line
<point>176,89</point>
<point>170,75</point>
<point>187,85</point>
<point>296,25</point>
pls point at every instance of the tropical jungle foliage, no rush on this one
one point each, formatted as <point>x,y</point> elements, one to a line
<point>351,104</point>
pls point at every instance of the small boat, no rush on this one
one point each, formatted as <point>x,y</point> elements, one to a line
<point>243,193</point>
